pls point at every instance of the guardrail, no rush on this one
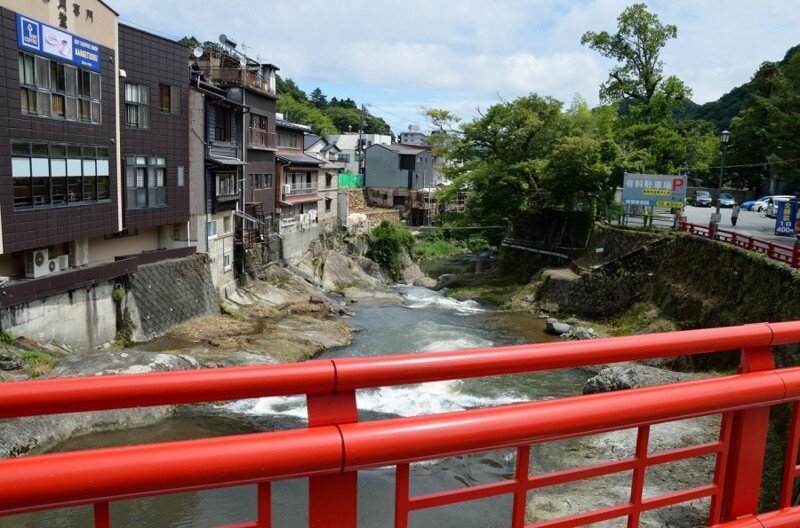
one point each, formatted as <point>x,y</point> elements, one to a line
<point>622,218</point>
<point>335,446</point>
<point>787,254</point>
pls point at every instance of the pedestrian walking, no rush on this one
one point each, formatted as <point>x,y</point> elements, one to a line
<point>734,213</point>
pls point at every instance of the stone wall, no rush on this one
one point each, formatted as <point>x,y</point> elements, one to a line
<point>82,318</point>
<point>607,244</point>
<point>168,293</point>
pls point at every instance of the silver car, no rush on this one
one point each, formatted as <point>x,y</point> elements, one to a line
<point>772,204</point>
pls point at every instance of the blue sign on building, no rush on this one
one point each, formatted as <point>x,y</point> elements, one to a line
<point>785,218</point>
<point>46,40</point>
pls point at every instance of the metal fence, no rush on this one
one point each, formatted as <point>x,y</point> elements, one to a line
<point>335,445</point>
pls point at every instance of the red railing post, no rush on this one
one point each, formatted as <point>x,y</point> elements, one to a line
<point>796,253</point>
<point>748,446</point>
<point>333,499</point>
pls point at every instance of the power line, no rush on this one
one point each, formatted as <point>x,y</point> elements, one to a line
<point>762,164</point>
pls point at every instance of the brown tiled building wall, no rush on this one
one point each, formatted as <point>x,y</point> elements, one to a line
<point>151,60</point>
<point>41,227</point>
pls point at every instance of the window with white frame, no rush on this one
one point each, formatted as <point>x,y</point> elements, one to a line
<point>226,225</point>
<point>137,106</point>
<point>227,261</point>
<point>211,228</point>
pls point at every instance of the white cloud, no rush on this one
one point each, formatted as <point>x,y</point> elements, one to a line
<point>461,53</point>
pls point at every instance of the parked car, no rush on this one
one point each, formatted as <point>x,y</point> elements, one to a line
<point>701,199</point>
<point>761,204</point>
<point>772,204</point>
<point>751,205</point>
<point>726,200</point>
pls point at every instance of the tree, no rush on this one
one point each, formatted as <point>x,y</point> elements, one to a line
<point>318,98</point>
<point>289,87</point>
<point>639,78</point>
<point>302,112</point>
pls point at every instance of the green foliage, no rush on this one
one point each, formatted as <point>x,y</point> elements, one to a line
<point>638,79</point>
<point>436,249</point>
<point>6,337</point>
<point>323,116</point>
<point>38,362</point>
<point>307,114</point>
<point>387,243</point>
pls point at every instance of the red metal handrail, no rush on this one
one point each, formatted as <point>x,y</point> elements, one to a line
<point>787,254</point>
<point>335,446</point>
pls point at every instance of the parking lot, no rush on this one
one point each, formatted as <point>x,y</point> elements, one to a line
<point>750,223</point>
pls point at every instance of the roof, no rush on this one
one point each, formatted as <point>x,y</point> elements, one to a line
<point>298,159</point>
<point>108,7</point>
<point>282,123</point>
<point>310,139</point>
<point>292,200</point>
<point>400,148</point>
<point>226,160</point>
<point>330,146</point>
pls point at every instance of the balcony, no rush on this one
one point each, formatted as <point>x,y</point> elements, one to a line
<point>240,77</point>
<point>261,139</point>
<point>300,189</point>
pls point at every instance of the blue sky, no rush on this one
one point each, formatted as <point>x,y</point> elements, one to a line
<point>401,57</point>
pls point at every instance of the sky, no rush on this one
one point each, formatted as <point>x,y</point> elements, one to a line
<point>461,55</point>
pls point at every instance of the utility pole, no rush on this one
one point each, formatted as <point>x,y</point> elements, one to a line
<point>361,156</point>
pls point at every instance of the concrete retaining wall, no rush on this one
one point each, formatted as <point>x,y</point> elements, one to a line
<point>169,293</point>
<point>82,318</point>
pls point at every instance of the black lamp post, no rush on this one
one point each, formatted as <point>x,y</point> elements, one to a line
<point>724,137</point>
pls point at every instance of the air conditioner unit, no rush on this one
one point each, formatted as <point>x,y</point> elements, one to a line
<point>52,266</point>
<point>37,264</point>
<point>63,262</point>
<point>287,189</point>
<point>79,252</point>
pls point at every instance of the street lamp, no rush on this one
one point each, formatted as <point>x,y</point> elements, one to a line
<point>724,137</point>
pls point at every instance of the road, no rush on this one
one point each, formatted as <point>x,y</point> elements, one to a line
<point>750,223</point>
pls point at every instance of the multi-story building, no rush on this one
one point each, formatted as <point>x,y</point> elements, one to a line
<point>94,137</point>
<point>233,106</point>
<point>413,136</point>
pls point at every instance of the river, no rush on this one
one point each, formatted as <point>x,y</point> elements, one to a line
<point>426,322</point>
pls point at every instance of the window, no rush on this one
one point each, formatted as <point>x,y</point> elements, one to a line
<point>226,261</point>
<point>53,89</point>
<point>47,174</point>
<point>181,175</point>
<point>222,123</point>
<point>258,122</point>
<point>290,140</point>
<point>226,184</point>
<point>328,180</point>
<point>226,224</point>
<point>145,182</point>
<point>137,106</point>
<point>169,99</point>
<point>211,228</point>
<point>268,181</point>
<point>255,181</point>
<point>328,204</point>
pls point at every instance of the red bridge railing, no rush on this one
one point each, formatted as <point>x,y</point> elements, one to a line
<point>787,254</point>
<point>335,446</point>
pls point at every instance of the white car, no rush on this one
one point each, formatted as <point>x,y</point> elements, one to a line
<point>772,204</point>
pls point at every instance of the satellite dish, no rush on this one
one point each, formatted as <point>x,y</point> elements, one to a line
<point>223,39</point>
<point>197,52</point>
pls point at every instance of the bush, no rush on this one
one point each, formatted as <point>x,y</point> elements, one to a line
<point>387,243</point>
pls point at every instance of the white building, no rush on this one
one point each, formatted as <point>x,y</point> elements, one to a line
<point>413,136</point>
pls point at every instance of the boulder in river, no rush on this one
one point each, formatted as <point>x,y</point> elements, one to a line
<point>632,376</point>
<point>555,327</point>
